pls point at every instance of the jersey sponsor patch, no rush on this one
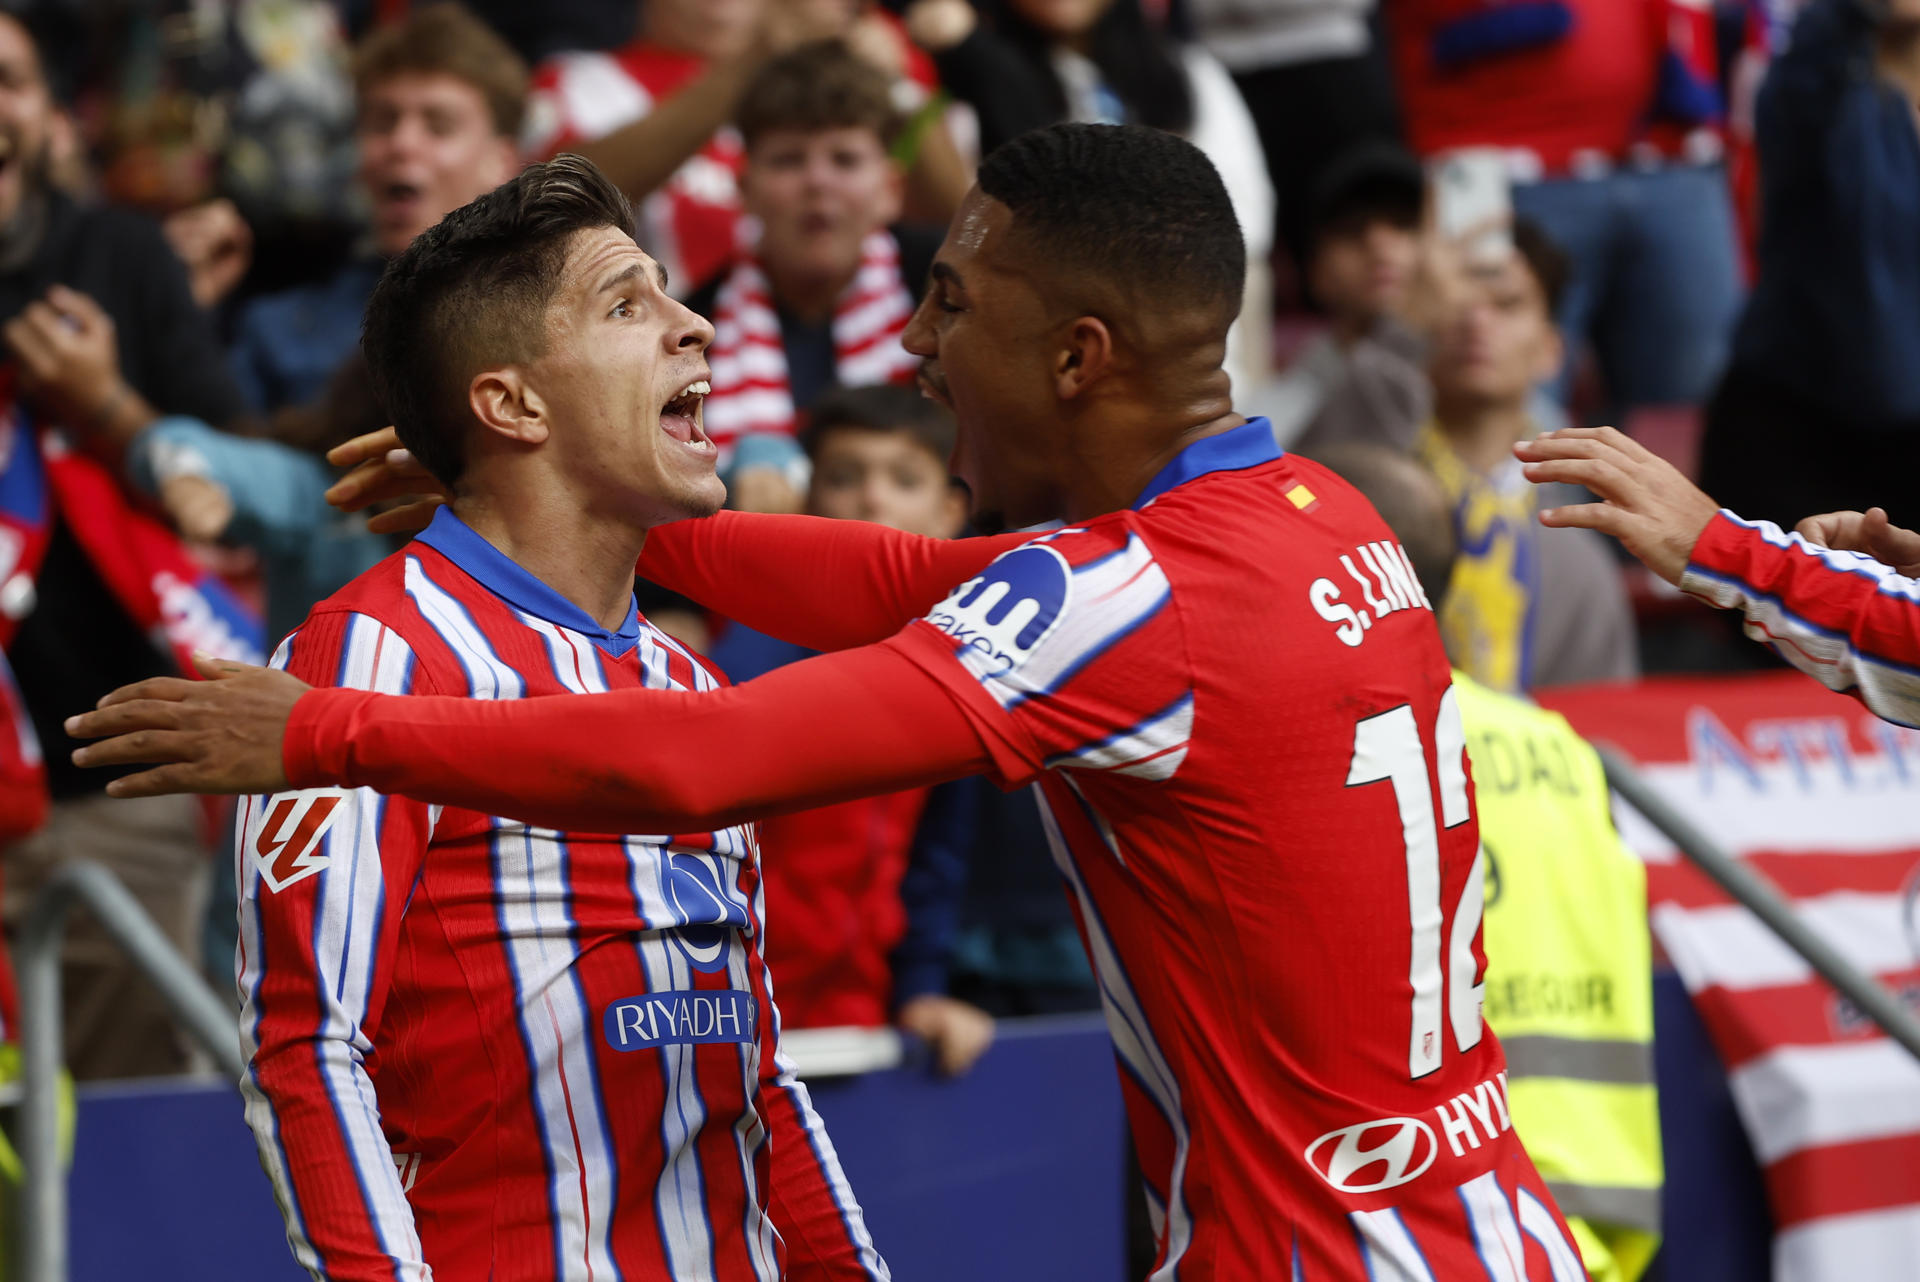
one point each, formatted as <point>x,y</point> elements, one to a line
<point>681,1019</point>
<point>287,849</point>
<point>1005,612</point>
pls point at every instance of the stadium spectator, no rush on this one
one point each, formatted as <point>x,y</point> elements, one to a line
<point>1527,607</point>
<point>1831,335</point>
<point>440,104</point>
<point>1316,82</point>
<point>822,299</point>
<point>879,454</point>
<point>1609,115</point>
<point>102,335</point>
<point>1364,377</point>
<point>656,115</point>
<point>1022,64</point>
<point>1566,908</point>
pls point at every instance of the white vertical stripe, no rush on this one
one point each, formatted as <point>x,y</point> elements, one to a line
<point>487,676</point>
<point>750,1129</point>
<point>1496,1235</point>
<point>685,1237</point>
<point>1391,1253</point>
<point>350,895</point>
<point>1133,1041</point>
<point>1538,1223</point>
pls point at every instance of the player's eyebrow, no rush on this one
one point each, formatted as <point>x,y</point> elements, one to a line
<point>629,275</point>
<point>946,275</point>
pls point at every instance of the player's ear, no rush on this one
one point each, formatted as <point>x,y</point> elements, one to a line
<point>1084,359</point>
<point>507,405</point>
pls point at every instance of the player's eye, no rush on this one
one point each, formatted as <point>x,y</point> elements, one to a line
<point>622,309</point>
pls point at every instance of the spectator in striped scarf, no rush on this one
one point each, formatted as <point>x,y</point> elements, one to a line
<point>822,298</point>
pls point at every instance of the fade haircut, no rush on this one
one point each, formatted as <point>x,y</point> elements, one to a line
<point>816,87</point>
<point>888,408</point>
<point>444,39</point>
<point>1123,203</point>
<point>471,293</point>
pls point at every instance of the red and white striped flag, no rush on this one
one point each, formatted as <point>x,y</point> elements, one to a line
<point>1824,800</point>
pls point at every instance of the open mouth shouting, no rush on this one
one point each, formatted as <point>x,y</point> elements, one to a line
<point>680,417</point>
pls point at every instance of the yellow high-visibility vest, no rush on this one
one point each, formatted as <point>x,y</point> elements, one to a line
<point>1569,984</point>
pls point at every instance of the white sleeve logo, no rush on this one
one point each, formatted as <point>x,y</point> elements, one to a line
<point>1004,613</point>
<point>286,848</point>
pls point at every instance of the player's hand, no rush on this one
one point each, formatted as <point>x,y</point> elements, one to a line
<point>384,472</point>
<point>69,356</point>
<point>958,1031</point>
<point>1646,502</point>
<point>221,735</point>
<point>200,507</point>
<point>1868,532</point>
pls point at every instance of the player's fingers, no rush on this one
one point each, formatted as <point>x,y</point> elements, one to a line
<point>217,669</point>
<point>1830,529</point>
<point>162,781</point>
<point>80,307</point>
<point>29,344</point>
<point>1601,475</point>
<point>1604,517</point>
<point>370,445</point>
<point>172,689</point>
<point>124,718</point>
<point>137,747</point>
<point>409,519</point>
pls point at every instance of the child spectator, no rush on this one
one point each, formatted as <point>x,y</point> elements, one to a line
<point>682,167</point>
<point>832,876</point>
<point>824,296</point>
<point>1527,607</point>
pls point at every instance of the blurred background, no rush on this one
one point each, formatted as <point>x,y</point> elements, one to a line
<point>1468,222</point>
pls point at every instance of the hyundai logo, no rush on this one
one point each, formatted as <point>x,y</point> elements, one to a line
<point>1373,1156</point>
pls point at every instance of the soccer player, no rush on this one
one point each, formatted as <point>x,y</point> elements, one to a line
<point>478,1048</point>
<point>1222,672</point>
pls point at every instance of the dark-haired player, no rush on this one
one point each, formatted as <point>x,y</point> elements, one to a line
<point>1222,671</point>
<point>480,1049</point>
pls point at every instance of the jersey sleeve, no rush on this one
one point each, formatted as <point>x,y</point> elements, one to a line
<point>324,876</point>
<point>823,584</point>
<point>1844,619</point>
<point>1065,653</point>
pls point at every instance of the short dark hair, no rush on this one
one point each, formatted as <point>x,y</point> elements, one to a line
<point>1409,499</point>
<point>445,39</point>
<point>1548,263</point>
<point>880,409</point>
<point>818,86</point>
<point>471,292</point>
<point>1123,201</point>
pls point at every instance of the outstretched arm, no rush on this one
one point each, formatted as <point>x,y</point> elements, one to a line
<point>1845,619</point>
<point>823,584</point>
<point>839,726</point>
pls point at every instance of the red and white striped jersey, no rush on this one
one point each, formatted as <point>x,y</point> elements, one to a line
<point>1235,702</point>
<point>1844,619</point>
<point>482,1050</point>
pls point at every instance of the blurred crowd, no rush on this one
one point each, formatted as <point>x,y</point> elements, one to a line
<point>1698,221</point>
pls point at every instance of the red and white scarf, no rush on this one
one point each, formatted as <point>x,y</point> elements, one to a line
<point>750,387</point>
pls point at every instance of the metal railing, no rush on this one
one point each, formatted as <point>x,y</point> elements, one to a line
<point>1759,897</point>
<point>36,956</point>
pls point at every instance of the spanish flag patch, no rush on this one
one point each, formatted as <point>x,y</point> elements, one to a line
<point>1301,497</point>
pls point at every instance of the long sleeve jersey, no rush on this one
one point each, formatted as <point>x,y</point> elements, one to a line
<point>1235,701</point>
<point>482,1049</point>
<point>1844,619</point>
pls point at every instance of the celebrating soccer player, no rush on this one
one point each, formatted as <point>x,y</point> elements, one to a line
<point>1222,671</point>
<point>482,1049</point>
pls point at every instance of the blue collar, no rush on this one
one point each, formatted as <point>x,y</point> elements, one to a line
<point>499,574</point>
<point>1234,450</point>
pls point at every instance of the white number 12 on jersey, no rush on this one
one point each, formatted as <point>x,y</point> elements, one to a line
<point>1387,747</point>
